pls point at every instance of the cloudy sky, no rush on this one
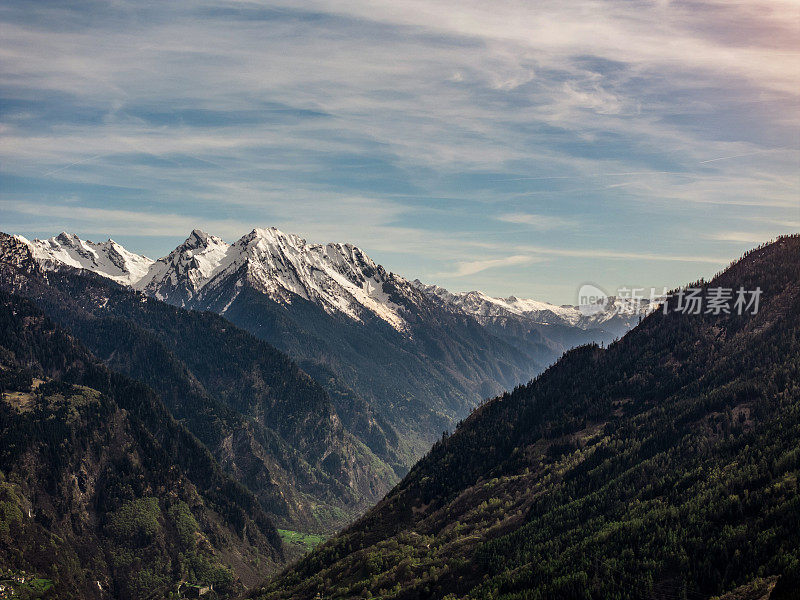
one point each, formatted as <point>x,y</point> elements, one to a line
<point>516,147</point>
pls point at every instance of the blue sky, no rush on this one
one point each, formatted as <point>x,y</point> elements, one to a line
<point>517,148</point>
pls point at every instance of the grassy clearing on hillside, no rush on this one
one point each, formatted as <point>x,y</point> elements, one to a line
<point>307,541</point>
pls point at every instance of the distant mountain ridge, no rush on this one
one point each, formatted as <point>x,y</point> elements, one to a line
<point>615,313</point>
<point>402,361</point>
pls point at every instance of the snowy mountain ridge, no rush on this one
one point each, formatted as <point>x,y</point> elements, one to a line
<point>340,278</point>
<point>485,307</point>
<point>479,304</point>
<point>108,258</point>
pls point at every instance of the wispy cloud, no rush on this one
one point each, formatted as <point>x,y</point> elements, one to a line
<point>538,222</point>
<point>408,127</point>
<point>745,155</point>
<point>747,237</point>
<point>640,256</point>
<point>476,266</point>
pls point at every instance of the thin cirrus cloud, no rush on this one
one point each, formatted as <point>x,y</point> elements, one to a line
<point>538,222</point>
<point>747,237</point>
<point>436,135</point>
<point>476,266</point>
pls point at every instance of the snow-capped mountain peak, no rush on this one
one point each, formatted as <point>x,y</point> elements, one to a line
<point>178,276</point>
<point>339,277</point>
<point>107,258</point>
<point>200,239</point>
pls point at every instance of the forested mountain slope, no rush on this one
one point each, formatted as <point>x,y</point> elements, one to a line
<point>101,490</point>
<point>269,424</point>
<point>665,466</point>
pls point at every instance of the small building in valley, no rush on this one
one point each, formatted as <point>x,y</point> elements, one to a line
<point>188,590</point>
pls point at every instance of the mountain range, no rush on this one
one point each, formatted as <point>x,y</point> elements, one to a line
<point>339,277</point>
<point>401,360</point>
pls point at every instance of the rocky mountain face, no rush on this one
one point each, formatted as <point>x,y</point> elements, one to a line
<point>268,424</point>
<point>663,466</point>
<point>401,361</point>
<point>102,493</point>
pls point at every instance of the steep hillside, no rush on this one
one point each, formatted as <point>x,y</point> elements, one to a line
<point>665,466</point>
<point>419,383</point>
<point>268,424</point>
<point>102,493</point>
